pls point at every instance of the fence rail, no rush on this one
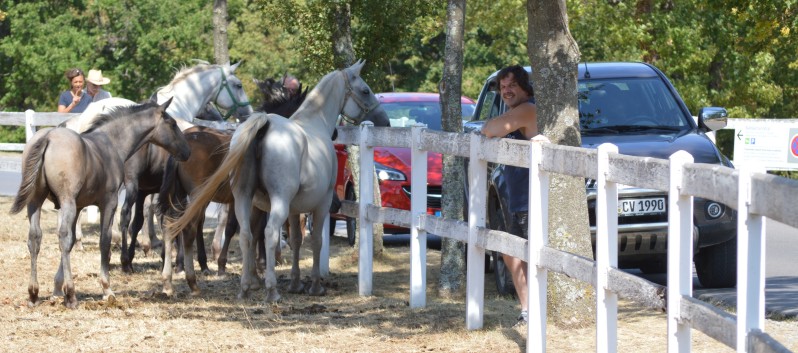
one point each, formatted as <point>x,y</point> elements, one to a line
<point>754,195</point>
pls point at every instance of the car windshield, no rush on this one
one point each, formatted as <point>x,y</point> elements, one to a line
<point>405,114</point>
<point>628,104</point>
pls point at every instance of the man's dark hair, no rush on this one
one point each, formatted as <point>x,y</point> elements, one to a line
<point>520,75</point>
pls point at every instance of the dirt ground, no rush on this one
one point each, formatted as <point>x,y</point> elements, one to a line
<point>142,320</point>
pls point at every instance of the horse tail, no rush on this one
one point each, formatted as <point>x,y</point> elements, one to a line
<point>171,197</point>
<point>31,170</point>
<point>202,195</point>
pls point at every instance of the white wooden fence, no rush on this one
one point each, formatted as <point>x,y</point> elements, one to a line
<point>753,194</point>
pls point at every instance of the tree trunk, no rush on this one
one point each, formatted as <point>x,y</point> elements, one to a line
<point>220,50</point>
<point>555,57</point>
<point>344,56</point>
<point>452,276</point>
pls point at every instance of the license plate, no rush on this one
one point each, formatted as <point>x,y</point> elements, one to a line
<point>639,207</point>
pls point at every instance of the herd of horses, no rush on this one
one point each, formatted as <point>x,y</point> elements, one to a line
<point>277,164</point>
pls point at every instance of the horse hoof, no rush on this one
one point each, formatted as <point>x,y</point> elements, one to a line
<point>71,303</point>
<point>110,299</point>
<point>127,268</point>
<point>296,288</point>
<point>273,297</point>
<point>243,295</point>
<point>317,291</point>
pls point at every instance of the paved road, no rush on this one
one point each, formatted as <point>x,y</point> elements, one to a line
<point>781,284</point>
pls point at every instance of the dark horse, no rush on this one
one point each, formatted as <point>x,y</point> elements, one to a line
<point>209,147</point>
<point>77,170</point>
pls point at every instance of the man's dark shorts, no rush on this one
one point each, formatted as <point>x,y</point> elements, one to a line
<point>519,224</point>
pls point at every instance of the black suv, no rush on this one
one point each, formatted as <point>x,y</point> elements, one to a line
<point>635,107</point>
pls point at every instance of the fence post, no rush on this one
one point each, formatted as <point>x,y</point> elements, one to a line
<point>538,238</point>
<point>366,264</point>
<point>606,253</point>
<point>418,210</point>
<point>680,253</point>
<point>30,129</point>
<point>750,262</point>
<point>475,264</point>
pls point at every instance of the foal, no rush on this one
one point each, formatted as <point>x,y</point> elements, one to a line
<point>77,170</point>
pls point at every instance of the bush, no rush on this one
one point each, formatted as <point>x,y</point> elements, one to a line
<point>12,134</point>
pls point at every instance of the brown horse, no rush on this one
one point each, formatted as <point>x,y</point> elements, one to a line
<point>77,170</point>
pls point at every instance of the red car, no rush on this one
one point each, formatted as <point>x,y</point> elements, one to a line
<point>393,164</point>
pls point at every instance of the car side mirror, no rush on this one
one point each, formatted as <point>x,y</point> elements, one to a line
<point>712,118</point>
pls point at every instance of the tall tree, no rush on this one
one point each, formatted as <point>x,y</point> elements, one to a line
<point>220,48</point>
<point>344,56</point>
<point>554,55</point>
<point>452,269</point>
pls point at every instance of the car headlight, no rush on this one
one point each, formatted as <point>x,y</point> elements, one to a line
<point>388,173</point>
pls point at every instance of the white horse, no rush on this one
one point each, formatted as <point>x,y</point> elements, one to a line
<point>286,167</point>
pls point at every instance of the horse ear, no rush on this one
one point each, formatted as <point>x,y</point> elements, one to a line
<point>358,65</point>
<point>165,105</point>
<point>234,67</point>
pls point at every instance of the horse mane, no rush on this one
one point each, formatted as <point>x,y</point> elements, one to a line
<point>119,111</point>
<point>187,71</point>
<point>279,100</point>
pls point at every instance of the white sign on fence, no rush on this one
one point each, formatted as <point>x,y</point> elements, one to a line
<point>768,143</point>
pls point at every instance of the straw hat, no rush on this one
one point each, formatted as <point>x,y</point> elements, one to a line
<point>96,77</point>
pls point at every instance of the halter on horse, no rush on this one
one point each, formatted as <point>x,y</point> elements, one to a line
<point>287,167</point>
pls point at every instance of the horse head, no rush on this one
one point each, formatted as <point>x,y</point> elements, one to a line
<point>277,99</point>
<point>168,135</point>
<point>231,95</point>
<point>360,103</point>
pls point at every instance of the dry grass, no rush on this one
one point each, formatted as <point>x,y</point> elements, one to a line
<point>142,320</point>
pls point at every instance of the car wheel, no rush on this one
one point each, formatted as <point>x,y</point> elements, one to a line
<point>716,266</point>
<point>350,221</point>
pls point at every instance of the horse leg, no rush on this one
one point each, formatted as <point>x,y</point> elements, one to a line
<point>107,220</point>
<point>63,283</point>
<point>34,245</point>
<point>260,219</point>
<point>149,216</point>
<point>295,239</point>
<point>181,250</point>
<point>277,217</point>
<point>189,234</point>
<point>135,227</point>
<point>166,271</point>
<point>202,256</point>
<point>230,229</point>
<point>321,213</point>
<point>79,230</point>
<point>131,196</point>
<point>219,235</point>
